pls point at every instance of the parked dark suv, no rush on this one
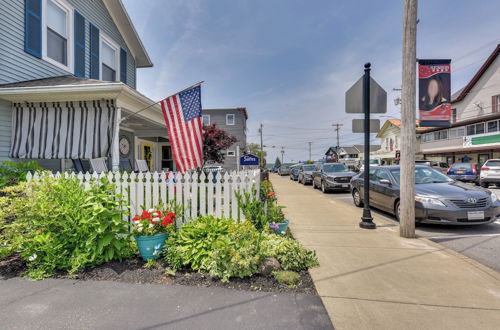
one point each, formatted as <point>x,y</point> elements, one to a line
<point>332,176</point>
<point>305,173</point>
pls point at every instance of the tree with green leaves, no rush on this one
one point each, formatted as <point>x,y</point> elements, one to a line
<point>254,149</point>
<point>277,163</point>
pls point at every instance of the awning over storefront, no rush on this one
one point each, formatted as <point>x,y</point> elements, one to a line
<point>71,129</point>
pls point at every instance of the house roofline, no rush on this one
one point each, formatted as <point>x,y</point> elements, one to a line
<point>477,76</point>
<point>124,24</point>
<point>229,109</point>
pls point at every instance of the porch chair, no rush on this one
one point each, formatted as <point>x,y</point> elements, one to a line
<point>142,165</point>
<point>78,165</point>
<point>99,165</point>
<point>126,165</point>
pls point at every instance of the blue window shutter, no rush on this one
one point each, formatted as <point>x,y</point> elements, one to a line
<point>33,27</point>
<point>79,45</point>
<point>123,66</point>
<point>94,52</point>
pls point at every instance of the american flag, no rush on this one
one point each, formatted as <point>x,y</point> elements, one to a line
<point>182,113</point>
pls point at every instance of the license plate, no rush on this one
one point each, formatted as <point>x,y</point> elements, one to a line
<point>460,172</point>
<point>345,185</point>
<point>475,215</point>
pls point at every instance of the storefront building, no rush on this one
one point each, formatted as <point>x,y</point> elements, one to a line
<point>474,134</point>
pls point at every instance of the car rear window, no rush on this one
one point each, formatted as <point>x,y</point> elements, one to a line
<point>309,167</point>
<point>492,163</point>
<point>462,166</point>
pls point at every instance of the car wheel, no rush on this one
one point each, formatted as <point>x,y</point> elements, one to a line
<point>397,211</point>
<point>356,196</point>
<point>484,185</point>
<point>323,187</point>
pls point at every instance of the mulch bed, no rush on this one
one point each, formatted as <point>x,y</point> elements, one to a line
<point>133,271</point>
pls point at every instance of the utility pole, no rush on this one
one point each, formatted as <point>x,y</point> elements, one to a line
<point>261,160</point>
<point>408,108</point>
<point>337,129</point>
<point>310,143</point>
<point>282,153</point>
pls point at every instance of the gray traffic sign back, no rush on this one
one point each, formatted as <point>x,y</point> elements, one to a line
<point>354,98</point>
<point>358,125</point>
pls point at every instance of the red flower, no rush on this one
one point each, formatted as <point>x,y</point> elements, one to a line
<point>145,215</point>
<point>137,217</point>
<point>167,221</point>
<point>172,215</point>
<point>271,194</point>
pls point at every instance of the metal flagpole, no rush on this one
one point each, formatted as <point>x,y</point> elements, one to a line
<point>149,106</point>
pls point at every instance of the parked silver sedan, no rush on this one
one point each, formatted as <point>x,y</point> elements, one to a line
<point>332,176</point>
<point>438,198</point>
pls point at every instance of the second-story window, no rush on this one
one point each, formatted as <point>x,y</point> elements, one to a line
<point>453,115</point>
<point>109,60</point>
<point>230,119</point>
<point>57,33</point>
<point>205,119</point>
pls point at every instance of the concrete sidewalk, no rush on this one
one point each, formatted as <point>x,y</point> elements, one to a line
<point>373,279</point>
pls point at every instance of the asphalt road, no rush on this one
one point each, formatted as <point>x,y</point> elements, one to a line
<point>479,242</point>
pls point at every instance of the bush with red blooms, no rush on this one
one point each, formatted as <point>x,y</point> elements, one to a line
<point>153,221</point>
<point>215,142</point>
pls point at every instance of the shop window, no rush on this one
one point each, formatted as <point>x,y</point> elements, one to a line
<point>480,128</point>
<point>471,130</point>
<point>492,126</point>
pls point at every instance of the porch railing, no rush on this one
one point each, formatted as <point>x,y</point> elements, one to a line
<point>197,194</point>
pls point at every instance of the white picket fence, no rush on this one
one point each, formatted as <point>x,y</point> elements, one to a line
<point>197,194</point>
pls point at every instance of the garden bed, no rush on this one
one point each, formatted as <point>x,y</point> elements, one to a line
<point>134,271</point>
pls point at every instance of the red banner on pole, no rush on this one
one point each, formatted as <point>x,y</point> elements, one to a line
<point>434,92</point>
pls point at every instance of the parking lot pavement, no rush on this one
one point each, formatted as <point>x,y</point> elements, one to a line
<point>481,243</point>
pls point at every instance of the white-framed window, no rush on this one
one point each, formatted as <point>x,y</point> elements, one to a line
<point>230,119</point>
<point>57,34</point>
<point>428,137</point>
<point>231,153</point>
<point>492,126</point>
<point>109,59</point>
<point>205,119</point>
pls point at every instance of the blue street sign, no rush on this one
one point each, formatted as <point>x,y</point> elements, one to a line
<point>249,159</point>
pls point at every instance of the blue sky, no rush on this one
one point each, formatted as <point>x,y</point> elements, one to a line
<point>290,62</point>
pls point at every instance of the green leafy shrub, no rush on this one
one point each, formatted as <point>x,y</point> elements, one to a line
<point>12,173</point>
<point>7,216</point>
<point>222,247</point>
<point>290,253</point>
<point>253,209</point>
<point>60,226</point>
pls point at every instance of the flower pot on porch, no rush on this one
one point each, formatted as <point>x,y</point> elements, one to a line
<point>279,228</point>
<point>150,246</point>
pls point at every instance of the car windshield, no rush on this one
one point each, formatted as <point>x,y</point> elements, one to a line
<point>461,166</point>
<point>285,166</point>
<point>424,175</point>
<point>335,168</point>
<point>373,161</point>
<point>308,167</point>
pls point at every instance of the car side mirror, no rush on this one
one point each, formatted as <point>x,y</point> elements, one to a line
<point>385,181</point>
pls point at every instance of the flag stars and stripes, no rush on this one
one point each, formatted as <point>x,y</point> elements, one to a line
<point>182,114</point>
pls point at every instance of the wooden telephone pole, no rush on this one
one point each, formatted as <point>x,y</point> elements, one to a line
<point>408,109</point>
<point>337,129</point>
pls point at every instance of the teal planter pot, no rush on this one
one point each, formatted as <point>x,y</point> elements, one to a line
<point>279,228</point>
<point>150,246</point>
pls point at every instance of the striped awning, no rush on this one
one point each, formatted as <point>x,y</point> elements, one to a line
<point>47,130</point>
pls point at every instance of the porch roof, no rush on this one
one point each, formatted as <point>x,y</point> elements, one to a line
<point>71,88</point>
